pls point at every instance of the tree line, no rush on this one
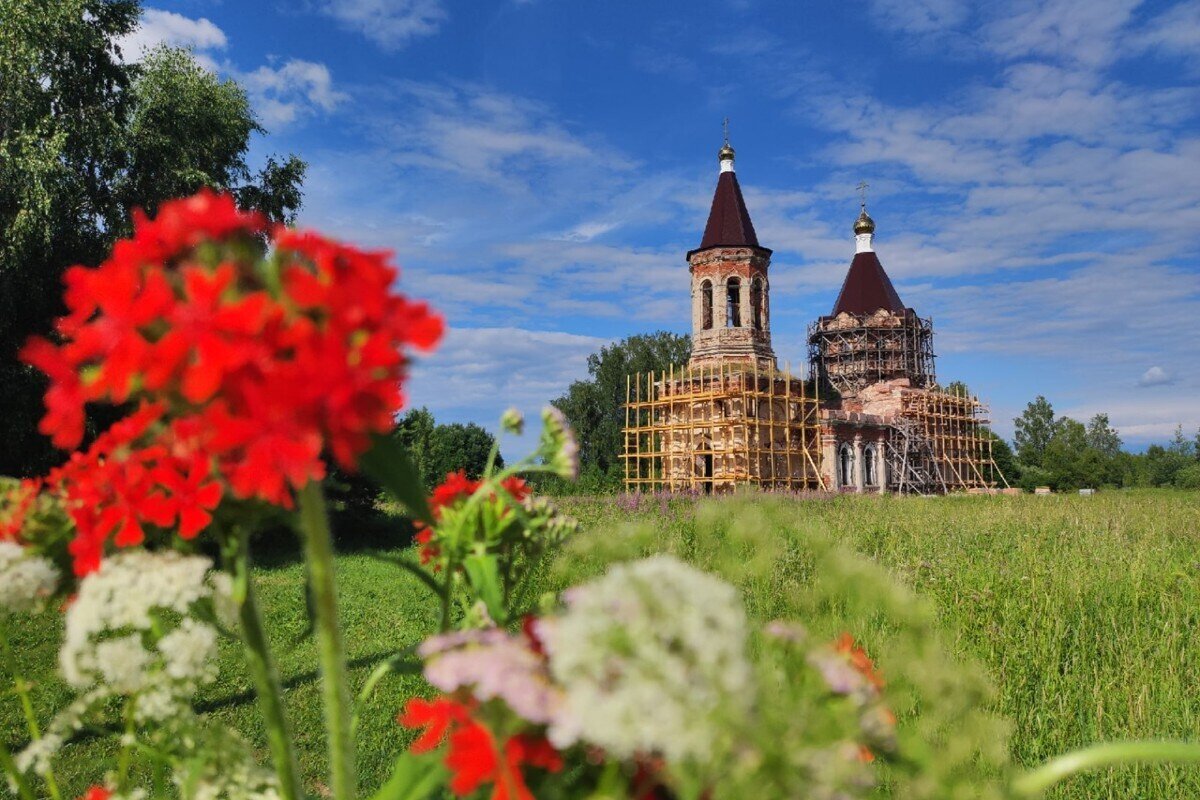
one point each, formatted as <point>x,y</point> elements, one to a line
<point>1058,452</point>
<point>1066,454</point>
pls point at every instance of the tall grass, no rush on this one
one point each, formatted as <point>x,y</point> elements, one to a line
<point>1082,610</point>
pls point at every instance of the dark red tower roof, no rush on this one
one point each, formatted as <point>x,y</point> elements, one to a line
<point>729,222</point>
<point>867,288</point>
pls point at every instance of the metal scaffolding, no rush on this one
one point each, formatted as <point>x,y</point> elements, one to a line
<point>939,443</point>
<point>849,352</point>
<point>709,428</point>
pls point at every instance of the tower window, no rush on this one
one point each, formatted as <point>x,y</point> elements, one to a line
<point>706,305</point>
<point>758,304</point>
<point>733,303</point>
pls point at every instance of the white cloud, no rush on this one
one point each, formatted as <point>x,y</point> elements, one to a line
<point>1082,31</point>
<point>1176,31</point>
<point>389,23</point>
<point>1156,376</point>
<point>476,373</point>
<point>158,27</point>
<point>297,89</point>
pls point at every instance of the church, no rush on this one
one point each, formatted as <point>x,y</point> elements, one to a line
<point>869,415</point>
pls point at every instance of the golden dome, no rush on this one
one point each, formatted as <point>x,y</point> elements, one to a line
<point>726,153</point>
<point>864,223</point>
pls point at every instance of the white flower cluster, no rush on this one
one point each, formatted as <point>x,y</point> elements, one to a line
<point>25,580</point>
<point>132,630</point>
<point>651,657</point>
<point>240,780</point>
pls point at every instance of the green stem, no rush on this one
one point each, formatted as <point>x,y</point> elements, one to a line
<point>9,767</point>
<point>1033,784</point>
<point>125,759</point>
<point>21,686</point>
<point>263,672</point>
<point>318,549</point>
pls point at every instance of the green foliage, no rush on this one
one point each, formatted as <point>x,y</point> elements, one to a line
<point>593,407</point>
<point>1188,477</point>
<point>1080,609</point>
<point>84,139</point>
<point>437,450</point>
<point>789,569</point>
<point>1034,430</point>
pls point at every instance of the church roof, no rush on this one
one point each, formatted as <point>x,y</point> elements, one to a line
<point>867,288</point>
<point>729,222</point>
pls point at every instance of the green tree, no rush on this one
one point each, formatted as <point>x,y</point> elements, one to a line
<point>1034,430</point>
<point>1180,444</point>
<point>1071,464</point>
<point>1102,437</point>
<point>457,446</point>
<point>84,139</point>
<point>414,430</point>
<point>594,406</point>
<point>439,449</point>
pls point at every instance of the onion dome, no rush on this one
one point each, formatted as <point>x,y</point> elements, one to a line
<point>864,223</point>
<point>726,153</point>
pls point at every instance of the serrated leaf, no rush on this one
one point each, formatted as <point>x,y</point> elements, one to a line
<point>388,462</point>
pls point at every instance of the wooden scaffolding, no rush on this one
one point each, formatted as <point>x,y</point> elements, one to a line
<point>706,429</point>
<point>939,443</point>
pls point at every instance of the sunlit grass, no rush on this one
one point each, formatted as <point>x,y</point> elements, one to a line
<point>1083,610</point>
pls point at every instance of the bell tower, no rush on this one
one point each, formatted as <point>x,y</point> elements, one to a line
<point>731,312</point>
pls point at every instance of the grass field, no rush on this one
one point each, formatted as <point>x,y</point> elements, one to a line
<point>1082,610</point>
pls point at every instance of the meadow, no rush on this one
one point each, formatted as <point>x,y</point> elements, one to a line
<point>1081,611</point>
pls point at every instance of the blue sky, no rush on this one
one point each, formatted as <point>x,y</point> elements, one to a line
<point>541,167</point>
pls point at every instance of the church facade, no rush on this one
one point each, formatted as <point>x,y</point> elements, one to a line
<point>868,417</point>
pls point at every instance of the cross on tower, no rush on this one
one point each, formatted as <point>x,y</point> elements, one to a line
<point>725,130</point>
<point>862,192</point>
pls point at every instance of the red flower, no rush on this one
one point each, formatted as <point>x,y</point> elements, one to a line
<point>474,756</point>
<point>96,793</point>
<point>261,367</point>
<point>456,487</point>
<point>859,659</point>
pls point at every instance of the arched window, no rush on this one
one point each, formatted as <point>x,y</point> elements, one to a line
<point>845,466</point>
<point>733,303</point>
<point>706,320</point>
<point>758,305</point>
<point>869,466</point>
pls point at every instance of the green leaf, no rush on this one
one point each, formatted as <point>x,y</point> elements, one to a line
<point>483,572</point>
<point>389,463</point>
<point>414,777</point>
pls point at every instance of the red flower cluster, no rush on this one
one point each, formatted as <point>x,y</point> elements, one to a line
<point>249,367</point>
<point>96,793</point>
<point>455,488</point>
<point>475,757</point>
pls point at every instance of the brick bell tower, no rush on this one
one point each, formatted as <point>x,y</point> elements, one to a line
<point>731,313</point>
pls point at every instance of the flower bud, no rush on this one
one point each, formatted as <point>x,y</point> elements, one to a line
<point>512,421</point>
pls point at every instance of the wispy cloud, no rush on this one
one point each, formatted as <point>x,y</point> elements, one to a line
<point>391,24</point>
<point>477,373</point>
